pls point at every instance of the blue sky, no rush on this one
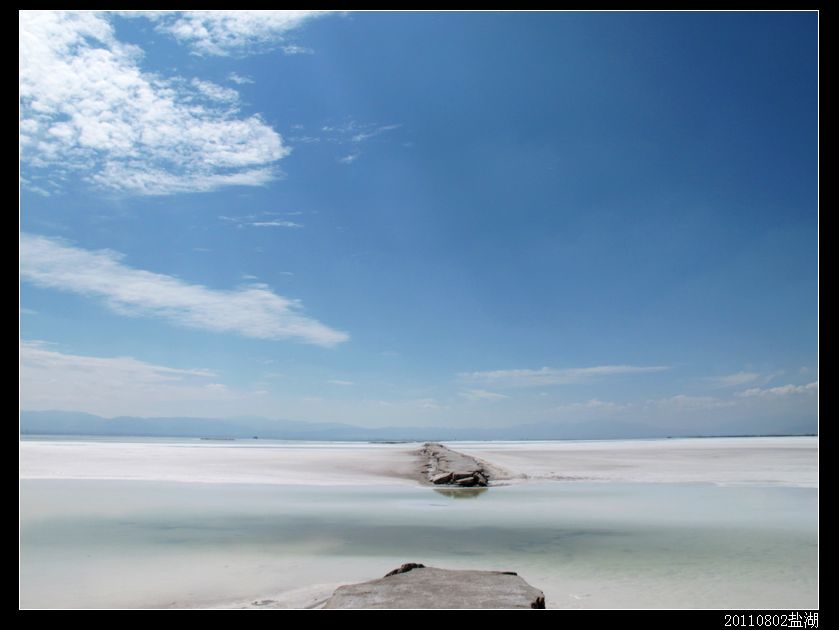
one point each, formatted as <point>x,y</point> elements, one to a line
<point>456,219</point>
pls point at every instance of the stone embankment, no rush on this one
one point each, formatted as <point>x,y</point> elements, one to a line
<point>443,466</point>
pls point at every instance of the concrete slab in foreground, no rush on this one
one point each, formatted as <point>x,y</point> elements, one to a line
<point>416,586</point>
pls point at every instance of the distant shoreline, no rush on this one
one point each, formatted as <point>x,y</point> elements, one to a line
<point>56,422</point>
<point>32,434</point>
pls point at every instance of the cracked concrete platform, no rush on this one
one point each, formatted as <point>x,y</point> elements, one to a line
<point>430,587</point>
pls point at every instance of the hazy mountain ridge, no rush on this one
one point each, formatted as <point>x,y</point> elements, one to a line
<point>76,423</point>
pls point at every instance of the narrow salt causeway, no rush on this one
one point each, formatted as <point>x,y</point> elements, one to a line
<point>443,466</point>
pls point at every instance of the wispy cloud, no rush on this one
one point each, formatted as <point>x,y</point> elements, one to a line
<point>216,92</point>
<point>294,49</point>
<point>230,32</point>
<point>50,379</point>
<point>251,311</point>
<point>27,311</point>
<point>349,158</point>
<point>239,79</point>
<point>303,139</point>
<point>259,221</point>
<point>349,134</point>
<point>686,402</point>
<point>551,376</point>
<point>89,111</point>
<point>783,390</point>
<point>285,224</point>
<point>373,132</point>
<point>593,405</point>
<point>732,380</point>
<point>336,381</point>
<point>481,395</point>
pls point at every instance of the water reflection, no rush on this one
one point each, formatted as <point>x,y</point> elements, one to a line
<point>143,544</point>
<point>461,493</point>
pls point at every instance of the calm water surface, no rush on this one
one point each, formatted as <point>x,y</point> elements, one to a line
<point>156,544</point>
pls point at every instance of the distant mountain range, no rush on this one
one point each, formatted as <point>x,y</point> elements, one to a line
<point>75,423</point>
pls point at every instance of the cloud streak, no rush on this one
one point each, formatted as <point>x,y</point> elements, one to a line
<point>593,405</point>
<point>373,132</point>
<point>259,222</point>
<point>250,311</point>
<point>551,376</point>
<point>239,79</point>
<point>50,379</point>
<point>293,49</point>
<point>349,158</point>
<point>481,395</point>
<point>88,110</point>
<point>783,390</point>
<point>732,380</point>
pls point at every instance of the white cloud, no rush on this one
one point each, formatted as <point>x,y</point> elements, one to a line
<point>551,376</point>
<point>348,133</point>
<point>228,32</point>
<point>87,109</point>
<point>251,311</point>
<point>783,390</point>
<point>685,402</point>
<point>732,380</point>
<point>349,158</point>
<point>286,224</point>
<point>592,405</point>
<point>481,395</point>
<point>252,221</point>
<point>342,383</point>
<point>27,311</point>
<point>216,92</point>
<point>239,79</point>
<point>293,49</point>
<point>50,379</point>
<point>373,132</point>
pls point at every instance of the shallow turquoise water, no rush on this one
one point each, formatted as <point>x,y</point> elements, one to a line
<point>139,544</point>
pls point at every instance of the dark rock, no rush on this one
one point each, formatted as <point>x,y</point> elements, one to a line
<point>408,566</point>
<point>441,478</point>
